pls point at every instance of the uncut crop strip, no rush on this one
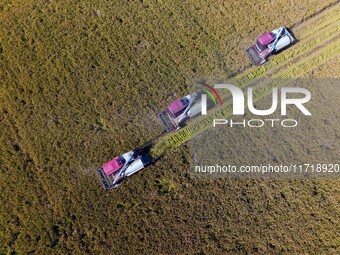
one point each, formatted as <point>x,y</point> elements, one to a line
<point>198,125</point>
<point>316,46</point>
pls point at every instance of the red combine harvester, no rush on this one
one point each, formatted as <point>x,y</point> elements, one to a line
<point>269,43</point>
<point>113,172</point>
<point>179,111</point>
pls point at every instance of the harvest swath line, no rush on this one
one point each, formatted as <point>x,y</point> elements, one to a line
<point>316,45</point>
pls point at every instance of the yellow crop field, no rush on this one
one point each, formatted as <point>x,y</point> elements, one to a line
<point>83,81</point>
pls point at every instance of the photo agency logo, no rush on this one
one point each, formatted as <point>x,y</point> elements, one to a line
<point>294,96</point>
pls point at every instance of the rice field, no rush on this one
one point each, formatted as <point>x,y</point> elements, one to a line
<point>82,82</point>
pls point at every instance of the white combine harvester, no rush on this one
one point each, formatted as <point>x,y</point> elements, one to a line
<point>113,172</point>
<point>269,43</point>
<point>180,111</point>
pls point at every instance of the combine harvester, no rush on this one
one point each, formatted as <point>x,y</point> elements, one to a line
<point>180,111</point>
<point>269,43</point>
<point>116,170</point>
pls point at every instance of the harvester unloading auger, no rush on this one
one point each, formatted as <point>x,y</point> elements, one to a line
<point>269,43</point>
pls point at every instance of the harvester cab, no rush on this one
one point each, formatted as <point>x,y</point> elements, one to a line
<point>269,43</point>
